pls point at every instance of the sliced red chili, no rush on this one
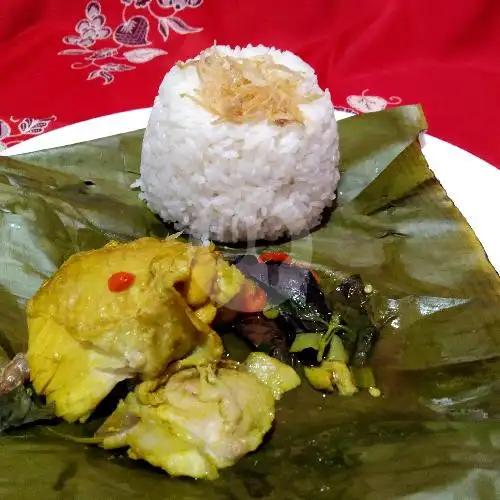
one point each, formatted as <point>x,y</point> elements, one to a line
<point>121,281</point>
<point>274,257</point>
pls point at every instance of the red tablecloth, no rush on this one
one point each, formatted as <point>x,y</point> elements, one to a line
<point>64,61</point>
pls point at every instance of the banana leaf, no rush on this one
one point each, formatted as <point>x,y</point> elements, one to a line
<point>434,434</point>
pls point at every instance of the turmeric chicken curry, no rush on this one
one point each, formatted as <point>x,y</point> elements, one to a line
<point>155,313</point>
<point>143,309</point>
<point>121,311</point>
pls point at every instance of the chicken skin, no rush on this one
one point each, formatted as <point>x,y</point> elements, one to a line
<point>202,419</point>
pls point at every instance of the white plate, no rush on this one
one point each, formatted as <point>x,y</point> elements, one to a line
<point>471,183</point>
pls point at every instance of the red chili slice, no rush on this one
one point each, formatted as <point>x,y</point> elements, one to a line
<point>120,281</point>
<point>274,257</point>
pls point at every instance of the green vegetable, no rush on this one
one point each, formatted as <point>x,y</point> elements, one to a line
<point>337,351</point>
<point>271,312</point>
<point>307,313</point>
<point>353,304</point>
<point>341,377</point>
<point>333,370</point>
<point>364,377</point>
<point>323,341</point>
<point>319,378</point>
<point>331,374</point>
<point>278,376</point>
<point>306,341</point>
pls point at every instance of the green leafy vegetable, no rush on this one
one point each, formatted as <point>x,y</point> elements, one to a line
<point>306,341</point>
<point>337,351</point>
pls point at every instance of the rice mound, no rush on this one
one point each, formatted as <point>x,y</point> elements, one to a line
<point>234,182</point>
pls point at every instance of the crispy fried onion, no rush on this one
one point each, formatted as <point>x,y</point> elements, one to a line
<point>244,90</point>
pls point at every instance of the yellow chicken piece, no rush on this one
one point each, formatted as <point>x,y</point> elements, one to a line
<point>206,313</point>
<point>196,421</point>
<point>228,283</point>
<point>203,275</point>
<point>85,336</point>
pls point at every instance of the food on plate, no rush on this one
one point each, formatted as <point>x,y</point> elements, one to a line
<point>142,310</point>
<point>148,311</point>
<point>279,377</point>
<point>124,310</point>
<point>242,144</point>
<point>398,230</point>
<point>333,340</point>
<point>199,420</point>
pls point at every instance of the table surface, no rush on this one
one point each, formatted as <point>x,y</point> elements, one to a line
<point>67,61</point>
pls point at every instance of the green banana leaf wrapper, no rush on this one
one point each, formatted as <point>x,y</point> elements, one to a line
<point>434,433</point>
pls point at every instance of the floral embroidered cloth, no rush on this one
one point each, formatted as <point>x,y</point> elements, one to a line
<point>67,61</point>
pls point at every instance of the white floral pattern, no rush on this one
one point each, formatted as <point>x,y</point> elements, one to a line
<point>91,29</point>
<point>26,128</point>
<point>133,33</point>
<point>365,103</point>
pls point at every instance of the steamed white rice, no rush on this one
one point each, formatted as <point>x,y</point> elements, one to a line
<point>235,182</point>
